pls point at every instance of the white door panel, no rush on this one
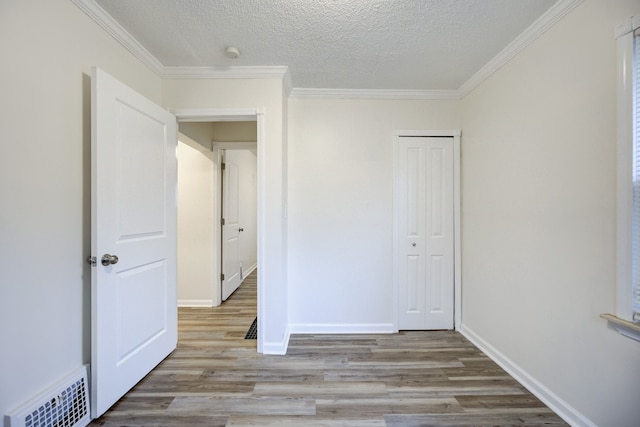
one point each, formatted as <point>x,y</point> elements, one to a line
<point>134,317</point>
<point>231,228</point>
<point>412,196</point>
<point>425,197</point>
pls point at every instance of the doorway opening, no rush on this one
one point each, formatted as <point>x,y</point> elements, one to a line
<point>215,138</point>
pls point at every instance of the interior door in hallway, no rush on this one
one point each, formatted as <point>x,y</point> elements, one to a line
<point>426,233</point>
<point>231,277</point>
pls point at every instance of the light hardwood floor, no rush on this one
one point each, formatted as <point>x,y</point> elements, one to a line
<point>216,378</point>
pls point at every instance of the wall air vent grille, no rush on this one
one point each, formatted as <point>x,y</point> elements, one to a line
<point>64,405</point>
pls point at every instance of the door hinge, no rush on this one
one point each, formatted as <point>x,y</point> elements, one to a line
<point>222,221</point>
<point>224,166</point>
<point>92,261</point>
<point>222,277</point>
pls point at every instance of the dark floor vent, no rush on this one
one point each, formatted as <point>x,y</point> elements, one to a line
<point>252,333</point>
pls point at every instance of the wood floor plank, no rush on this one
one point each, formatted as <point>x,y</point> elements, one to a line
<point>465,420</point>
<point>244,405</point>
<point>143,420</point>
<point>216,378</point>
<point>267,376</point>
<point>523,400</point>
<point>322,389</point>
<point>306,421</point>
<point>391,377</point>
<point>447,389</point>
<point>383,406</point>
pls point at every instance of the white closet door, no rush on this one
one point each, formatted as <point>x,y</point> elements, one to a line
<point>426,233</point>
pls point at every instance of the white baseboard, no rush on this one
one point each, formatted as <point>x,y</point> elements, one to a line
<point>195,303</point>
<point>323,328</point>
<point>249,270</point>
<point>277,348</point>
<point>345,328</point>
<point>553,401</point>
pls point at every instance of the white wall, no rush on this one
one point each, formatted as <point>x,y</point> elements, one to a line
<point>341,207</point>
<point>247,205</point>
<point>234,131</point>
<point>538,215</point>
<point>48,48</point>
<point>266,94</point>
<point>199,132</point>
<point>197,282</point>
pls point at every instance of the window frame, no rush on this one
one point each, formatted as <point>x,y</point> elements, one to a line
<point>625,147</point>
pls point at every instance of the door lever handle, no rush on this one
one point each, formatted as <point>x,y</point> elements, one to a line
<point>240,230</point>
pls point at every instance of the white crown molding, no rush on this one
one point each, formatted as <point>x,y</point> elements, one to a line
<point>267,72</point>
<point>287,83</point>
<point>373,94</point>
<point>111,26</point>
<point>528,36</point>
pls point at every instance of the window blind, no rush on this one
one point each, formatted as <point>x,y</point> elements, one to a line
<point>636,179</point>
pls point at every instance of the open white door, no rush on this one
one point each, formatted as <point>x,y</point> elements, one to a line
<point>133,233</point>
<point>231,229</point>
<point>425,233</point>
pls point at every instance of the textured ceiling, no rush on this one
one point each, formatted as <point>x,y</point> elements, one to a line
<point>341,44</point>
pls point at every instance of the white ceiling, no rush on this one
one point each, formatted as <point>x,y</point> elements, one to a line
<point>423,45</point>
